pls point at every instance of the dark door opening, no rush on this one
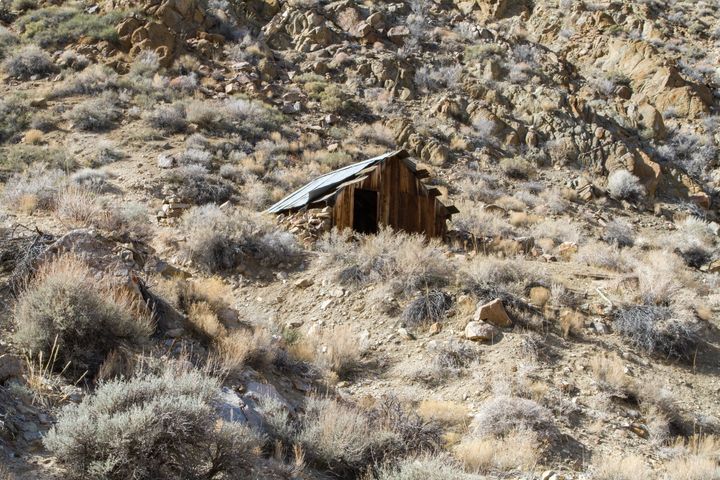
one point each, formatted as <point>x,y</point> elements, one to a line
<point>365,211</point>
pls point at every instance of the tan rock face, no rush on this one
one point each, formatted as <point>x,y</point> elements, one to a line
<point>493,313</point>
<point>648,172</point>
<point>652,78</point>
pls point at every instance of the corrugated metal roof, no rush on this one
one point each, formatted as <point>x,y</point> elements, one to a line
<point>323,184</point>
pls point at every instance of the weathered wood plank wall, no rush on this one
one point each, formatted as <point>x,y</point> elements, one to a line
<point>403,201</point>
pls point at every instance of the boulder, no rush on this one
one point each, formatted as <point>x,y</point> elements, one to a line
<point>493,313</point>
<point>480,331</point>
<point>10,367</point>
<point>398,34</point>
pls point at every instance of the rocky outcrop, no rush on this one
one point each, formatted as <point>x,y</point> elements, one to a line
<point>654,79</point>
<point>169,27</point>
<point>429,150</point>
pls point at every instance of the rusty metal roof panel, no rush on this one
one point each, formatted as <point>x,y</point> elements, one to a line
<point>323,184</point>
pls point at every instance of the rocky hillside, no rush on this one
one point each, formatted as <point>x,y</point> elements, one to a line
<point>155,324</point>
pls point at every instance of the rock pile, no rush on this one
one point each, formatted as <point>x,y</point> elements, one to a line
<point>309,225</point>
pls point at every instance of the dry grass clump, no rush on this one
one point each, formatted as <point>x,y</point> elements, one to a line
<point>446,413</point>
<point>698,459</point>
<point>337,349</point>
<point>219,240</point>
<point>609,371</point>
<point>404,262</point>
<point>66,305</point>
<point>78,207</point>
<point>621,468</point>
<point>152,426</point>
<point>426,468</point>
<point>245,347</point>
<point>518,450</point>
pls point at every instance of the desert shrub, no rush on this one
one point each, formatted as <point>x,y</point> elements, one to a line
<point>501,415</point>
<point>93,80</point>
<point>27,62</point>
<point>95,114</point>
<point>432,79</point>
<point>250,118</point>
<point>341,438</point>
<point>558,231</point>
<point>168,118</point>
<point>17,157</point>
<point>623,185</point>
<point>696,153</point>
<point>602,255</point>
<point>90,179</point>
<point>619,232</point>
<point>37,188</point>
<point>152,426</point>
<point>7,40</point>
<point>661,277</point>
<point>65,305</point>
<point>218,240</point>
<point>44,121</point>
<point>74,60</point>
<point>146,64</point>
<point>58,26</point>
<point>488,272</point>
<point>194,184</point>
<point>447,360</point>
<point>658,330</point>
<point>416,433</point>
<point>195,156</point>
<point>430,307</point>
<point>516,168</point>
<point>406,262</point>
<point>107,153</point>
<point>427,468</point>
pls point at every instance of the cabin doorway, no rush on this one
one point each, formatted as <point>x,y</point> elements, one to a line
<point>365,211</point>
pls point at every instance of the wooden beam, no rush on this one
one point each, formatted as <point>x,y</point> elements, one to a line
<point>451,209</point>
<point>434,192</point>
<point>422,174</point>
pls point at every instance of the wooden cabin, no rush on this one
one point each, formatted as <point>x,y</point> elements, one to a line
<point>382,191</point>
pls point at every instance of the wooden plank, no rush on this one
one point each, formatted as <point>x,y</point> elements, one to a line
<point>451,209</point>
